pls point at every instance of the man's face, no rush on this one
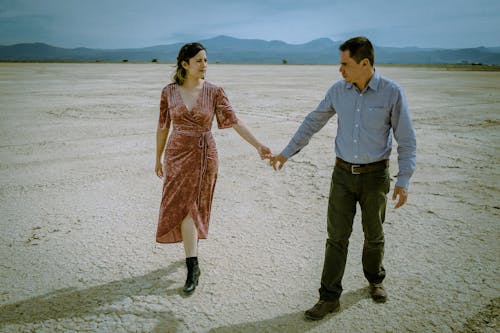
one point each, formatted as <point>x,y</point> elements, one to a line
<point>351,71</point>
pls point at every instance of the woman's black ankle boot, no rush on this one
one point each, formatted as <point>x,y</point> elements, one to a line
<point>193,273</point>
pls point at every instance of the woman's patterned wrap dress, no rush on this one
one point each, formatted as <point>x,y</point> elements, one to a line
<point>190,158</point>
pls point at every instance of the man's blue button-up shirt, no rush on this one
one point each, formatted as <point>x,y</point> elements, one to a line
<point>366,123</point>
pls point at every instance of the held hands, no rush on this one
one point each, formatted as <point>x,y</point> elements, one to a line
<point>265,153</point>
<point>276,161</point>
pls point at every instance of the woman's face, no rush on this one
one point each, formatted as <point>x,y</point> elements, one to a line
<point>197,66</point>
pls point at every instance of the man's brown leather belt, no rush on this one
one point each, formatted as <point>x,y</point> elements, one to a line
<point>357,169</point>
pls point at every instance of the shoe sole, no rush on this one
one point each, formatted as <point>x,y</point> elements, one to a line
<point>379,299</point>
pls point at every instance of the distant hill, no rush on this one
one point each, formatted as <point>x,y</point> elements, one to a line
<point>226,49</point>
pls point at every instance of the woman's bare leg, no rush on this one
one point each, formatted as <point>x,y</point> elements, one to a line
<point>189,237</point>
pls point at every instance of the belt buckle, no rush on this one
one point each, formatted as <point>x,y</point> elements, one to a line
<point>353,171</point>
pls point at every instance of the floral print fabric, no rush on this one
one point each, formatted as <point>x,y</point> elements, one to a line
<point>190,159</point>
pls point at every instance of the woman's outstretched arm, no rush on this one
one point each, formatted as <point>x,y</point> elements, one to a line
<point>245,133</point>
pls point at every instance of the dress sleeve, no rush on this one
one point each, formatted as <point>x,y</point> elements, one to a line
<point>224,111</point>
<point>164,119</point>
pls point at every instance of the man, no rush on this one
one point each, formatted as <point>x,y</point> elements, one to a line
<point>370,110</point>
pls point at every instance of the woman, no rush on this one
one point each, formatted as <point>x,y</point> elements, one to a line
<point>189,167</point>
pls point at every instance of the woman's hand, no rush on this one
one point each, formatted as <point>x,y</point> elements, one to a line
<point>264,152</point>
<point>159,169</point>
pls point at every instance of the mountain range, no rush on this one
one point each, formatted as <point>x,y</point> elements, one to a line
<point>224,49</point>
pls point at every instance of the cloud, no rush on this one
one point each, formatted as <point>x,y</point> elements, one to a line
<point>126,23</point>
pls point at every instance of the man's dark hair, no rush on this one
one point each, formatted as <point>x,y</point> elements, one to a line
<point>359,49</point>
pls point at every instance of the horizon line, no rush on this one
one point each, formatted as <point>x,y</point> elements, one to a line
<point>247,39</point>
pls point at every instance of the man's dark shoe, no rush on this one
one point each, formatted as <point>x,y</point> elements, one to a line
<point>321,309</point>
<point>378,293</point>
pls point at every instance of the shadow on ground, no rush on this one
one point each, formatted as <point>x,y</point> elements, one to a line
<point>293,322</point>
<point>67,303</point>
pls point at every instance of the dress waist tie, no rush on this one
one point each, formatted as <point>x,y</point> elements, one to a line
<point>203,145</point>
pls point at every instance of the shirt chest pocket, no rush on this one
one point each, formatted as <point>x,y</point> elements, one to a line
<point>376,117</point>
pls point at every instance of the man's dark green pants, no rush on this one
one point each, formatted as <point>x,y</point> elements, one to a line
<point>346,190</point>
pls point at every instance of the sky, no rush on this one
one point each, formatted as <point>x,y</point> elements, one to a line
<point>112,24</point>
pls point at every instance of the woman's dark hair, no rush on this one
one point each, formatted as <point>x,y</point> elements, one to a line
<point>185,53</point>
<point>359,48</point>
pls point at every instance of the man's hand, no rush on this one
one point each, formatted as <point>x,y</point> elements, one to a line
<point>402,193</point>
<point>280,159</point>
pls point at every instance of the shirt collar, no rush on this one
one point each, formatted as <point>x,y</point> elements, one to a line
<point>373,84</point>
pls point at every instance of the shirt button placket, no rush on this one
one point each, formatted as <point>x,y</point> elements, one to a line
<point>357,119</point>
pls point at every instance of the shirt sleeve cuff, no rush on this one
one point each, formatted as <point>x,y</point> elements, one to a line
<point>403,181</point>
<point>288,152</point>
